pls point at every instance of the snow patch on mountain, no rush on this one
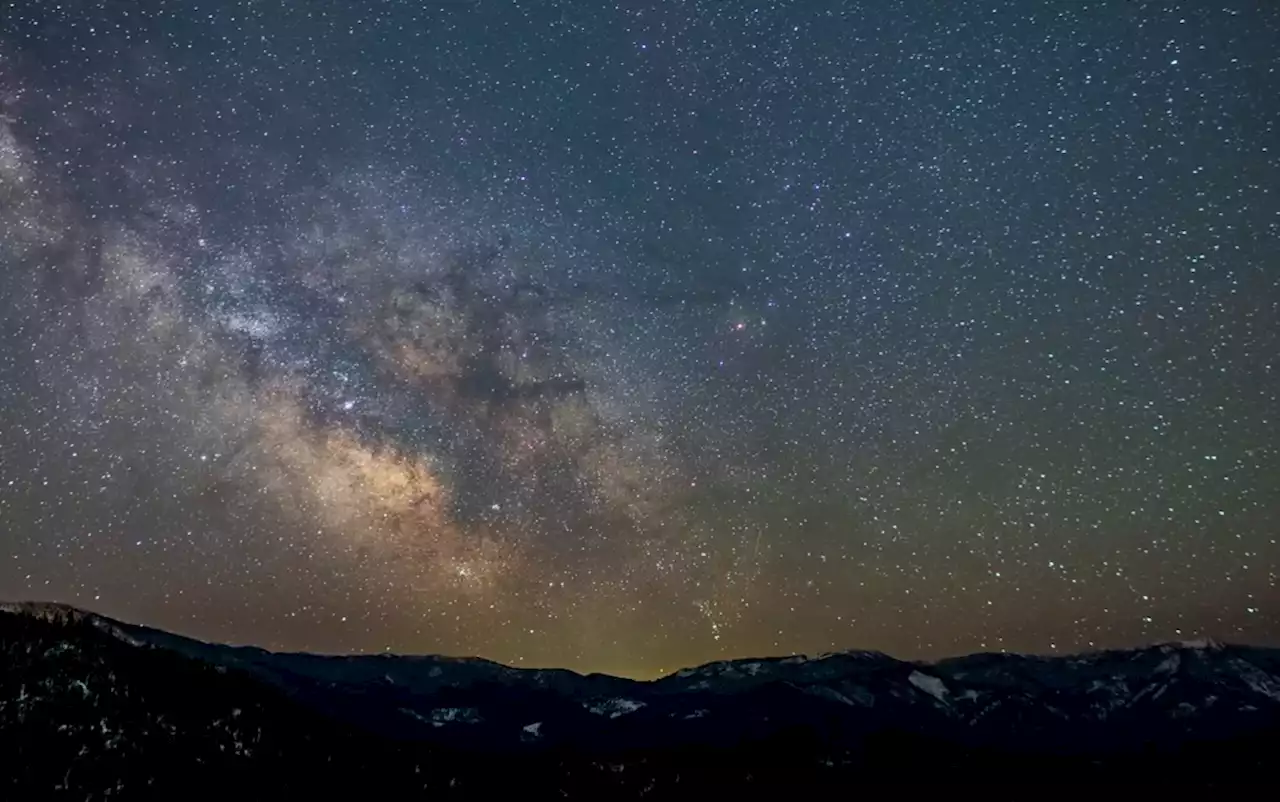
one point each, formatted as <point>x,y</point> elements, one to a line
<point>930,685</point>
<point>614,708</point>
<point>446,715</point>
<point>1257,679</point>
<point>1170,664</point>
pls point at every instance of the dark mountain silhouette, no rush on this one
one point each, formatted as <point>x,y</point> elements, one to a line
<point>92,708</point>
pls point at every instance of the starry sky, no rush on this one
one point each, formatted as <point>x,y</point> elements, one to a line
<point>630,335</point>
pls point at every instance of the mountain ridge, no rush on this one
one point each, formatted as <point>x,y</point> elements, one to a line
<point>56,611</point>
<point>87,687</point>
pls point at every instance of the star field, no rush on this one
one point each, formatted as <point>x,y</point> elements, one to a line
<point>628,336</point>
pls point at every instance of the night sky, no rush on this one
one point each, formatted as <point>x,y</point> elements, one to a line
<point>624,336</point>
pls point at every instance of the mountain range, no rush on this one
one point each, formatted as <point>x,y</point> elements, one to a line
<point>94,708</point>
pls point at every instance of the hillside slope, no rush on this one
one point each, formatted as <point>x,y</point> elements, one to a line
<point>95,708</point>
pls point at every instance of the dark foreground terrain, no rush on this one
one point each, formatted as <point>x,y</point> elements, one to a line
<point>91,708</point>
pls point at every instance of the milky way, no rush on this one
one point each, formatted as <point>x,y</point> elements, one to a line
<point>635,336</point>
